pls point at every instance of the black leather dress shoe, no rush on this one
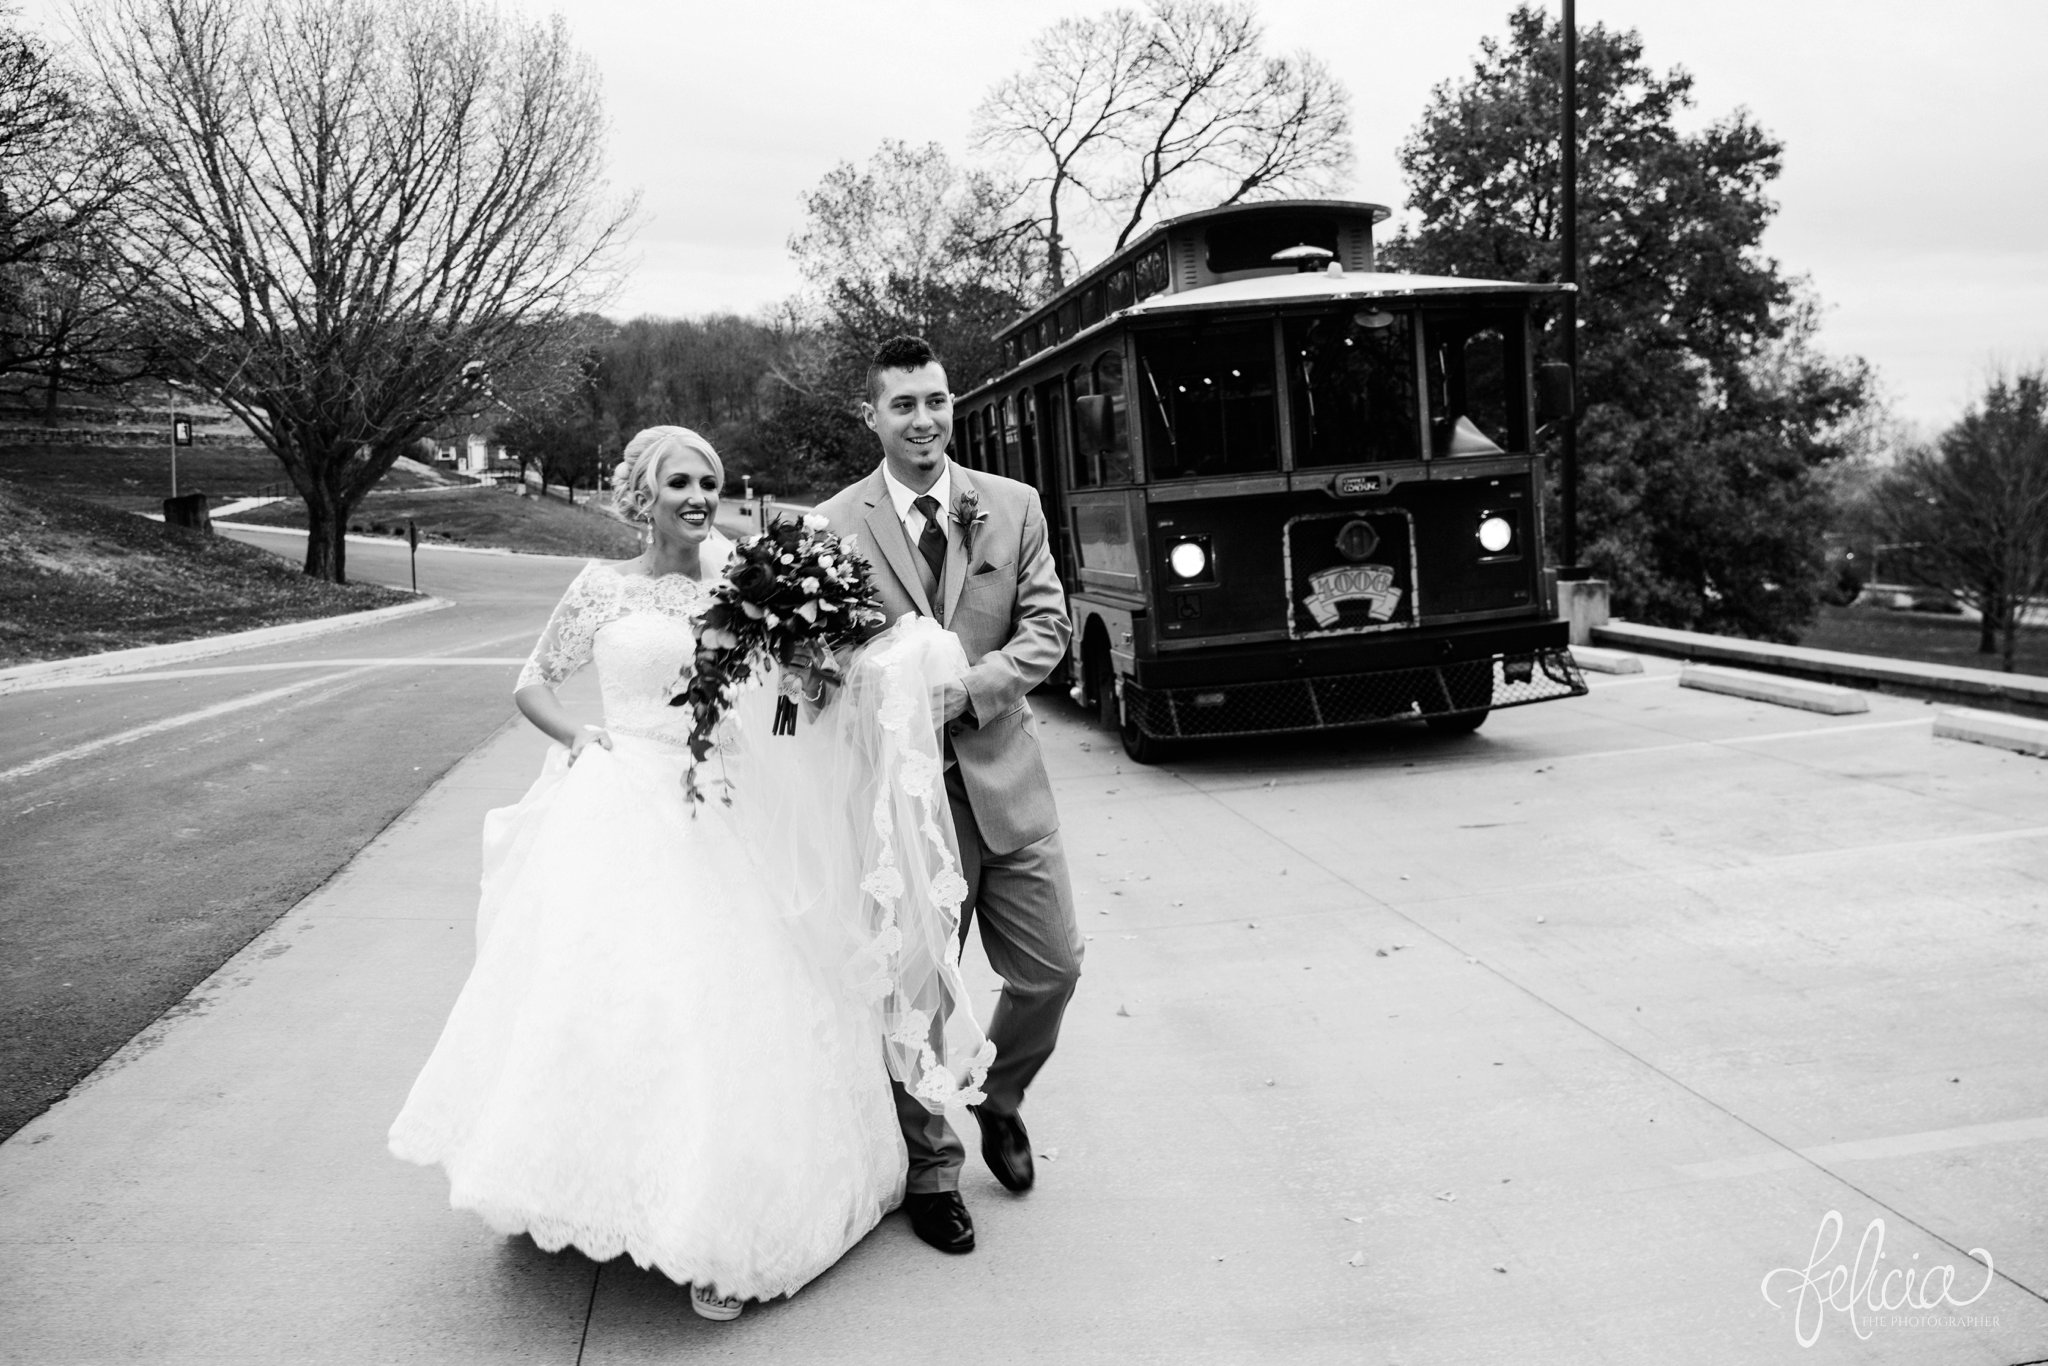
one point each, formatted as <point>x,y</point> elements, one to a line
<point>940,1218</point>
<point>1006,1148</point>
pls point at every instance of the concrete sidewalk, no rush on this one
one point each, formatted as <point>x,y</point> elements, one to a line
<point>1524,1049</point>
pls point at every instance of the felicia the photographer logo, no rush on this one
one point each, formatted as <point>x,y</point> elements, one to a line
<point>1868,1295</point>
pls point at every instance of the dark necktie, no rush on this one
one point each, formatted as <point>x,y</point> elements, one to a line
<point>932,544</point>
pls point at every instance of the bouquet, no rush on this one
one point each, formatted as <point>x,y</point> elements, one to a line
<point>793,588</point>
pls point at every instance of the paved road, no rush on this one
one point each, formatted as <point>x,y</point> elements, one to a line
<point>152,823</point>
<point>1541,1046</point>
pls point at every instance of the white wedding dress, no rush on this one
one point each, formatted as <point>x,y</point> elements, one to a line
<point>671,1043</point>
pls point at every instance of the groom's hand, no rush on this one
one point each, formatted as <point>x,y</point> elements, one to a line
<point>818,673</point>
<point>949,700</point>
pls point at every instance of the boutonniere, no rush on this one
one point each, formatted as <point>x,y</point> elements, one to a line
<point>969,517</point>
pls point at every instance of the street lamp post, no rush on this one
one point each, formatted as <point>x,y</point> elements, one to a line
<point>1569,568</point>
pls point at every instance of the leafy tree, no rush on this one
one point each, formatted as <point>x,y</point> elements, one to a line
<point>349,214</point>
<point>913,243</point>
<point>908,243</point>
<point>1178,105</point>
<point>563,432</point>
<point>1970,514</point>
<point>1710,417</point>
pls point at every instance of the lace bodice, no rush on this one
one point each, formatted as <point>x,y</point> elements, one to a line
<point>639,632</point>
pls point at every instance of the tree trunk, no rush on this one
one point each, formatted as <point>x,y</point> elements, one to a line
<point>1987,625</point>
<point>326,533</point>
<point>2012,630</point>
<point>50,389</point>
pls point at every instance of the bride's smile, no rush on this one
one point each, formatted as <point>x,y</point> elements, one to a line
<point>686,497</point>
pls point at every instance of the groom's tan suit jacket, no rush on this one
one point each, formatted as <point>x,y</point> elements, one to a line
<point>1002,597</point>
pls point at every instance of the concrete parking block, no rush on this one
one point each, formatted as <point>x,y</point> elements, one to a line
<point>1603,661</point>
<point>1783,692</point>
<point>2016,733</point>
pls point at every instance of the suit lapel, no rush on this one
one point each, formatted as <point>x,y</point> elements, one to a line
<point>885,532</point>
<point>957,565</point>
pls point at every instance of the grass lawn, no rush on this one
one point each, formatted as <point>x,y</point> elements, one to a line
<point>1922,636</point>
<point>79,578</point>
<point>491,517</point>
<point>138,478</point>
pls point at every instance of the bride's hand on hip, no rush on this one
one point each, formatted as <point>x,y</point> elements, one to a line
<point>586,736</point>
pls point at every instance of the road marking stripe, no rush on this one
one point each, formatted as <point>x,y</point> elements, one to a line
<point>1603,684</point>
<point>1745,739</point>
<point>492,661</point>
<point>1870,1149</point>
<point>128,737</point>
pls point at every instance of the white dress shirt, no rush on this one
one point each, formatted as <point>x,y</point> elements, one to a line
<point>913,520</point>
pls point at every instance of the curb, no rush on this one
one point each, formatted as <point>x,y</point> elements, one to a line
<point>2025,694</point>
<point>1994,728</point>
<point>51,672</point>
<point>1825,698</point>
<point>357,538</point>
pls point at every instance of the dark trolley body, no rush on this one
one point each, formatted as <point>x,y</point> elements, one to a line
<point>1287,491</point>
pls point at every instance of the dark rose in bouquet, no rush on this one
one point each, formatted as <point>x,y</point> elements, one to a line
<point>792,591</point>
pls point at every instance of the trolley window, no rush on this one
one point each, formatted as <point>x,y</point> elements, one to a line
<point>1208,399</point>
<point>1149,273</point>
<point>1118,293</point>
<point>1087,467</point>
<point>1351,383</point>
<point>1477,402</point>
<point>1115,437</point>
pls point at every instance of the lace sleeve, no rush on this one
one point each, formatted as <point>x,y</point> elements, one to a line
<point>564,647</point>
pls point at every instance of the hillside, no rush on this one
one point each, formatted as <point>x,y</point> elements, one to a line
<point>479,517</point>
<point>78,578</point>
<point>115,449</point>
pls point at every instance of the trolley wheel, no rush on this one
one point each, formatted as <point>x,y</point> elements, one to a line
<point>1470,685</point>
<point>1102,691</point>
<point>1458,722</point>
<point>1142,748</point>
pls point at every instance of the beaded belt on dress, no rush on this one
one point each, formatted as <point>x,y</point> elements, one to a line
<point>676,737</point>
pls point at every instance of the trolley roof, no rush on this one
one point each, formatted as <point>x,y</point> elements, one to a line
<point>1322,286</point>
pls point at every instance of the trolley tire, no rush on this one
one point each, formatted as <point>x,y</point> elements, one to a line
<point>1102,684</point>
<point>1138,746</point>
<point>1458,722</point>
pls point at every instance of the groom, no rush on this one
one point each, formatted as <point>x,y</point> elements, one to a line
<point>971,550</point>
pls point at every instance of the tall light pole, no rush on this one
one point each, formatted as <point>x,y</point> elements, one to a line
<point>1570,568</point>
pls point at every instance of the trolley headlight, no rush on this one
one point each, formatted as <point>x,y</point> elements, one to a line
<point>1189,560</point>
<point>1496,533</point>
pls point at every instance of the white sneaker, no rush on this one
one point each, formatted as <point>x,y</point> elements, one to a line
<point>709,1305</point>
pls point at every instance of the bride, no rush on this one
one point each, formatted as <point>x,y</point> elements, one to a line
<point>670,1043</point>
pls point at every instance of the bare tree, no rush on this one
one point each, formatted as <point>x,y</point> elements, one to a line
<point>1087,81</point>
<point>1971,514</point>
<point>1179,105</point>
<point>62,171</point>
<point>1226,123</point>
<point>349,213</point>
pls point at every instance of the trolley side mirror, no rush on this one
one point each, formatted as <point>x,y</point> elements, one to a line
<point>1091,413</point>
<point>1556,392</point>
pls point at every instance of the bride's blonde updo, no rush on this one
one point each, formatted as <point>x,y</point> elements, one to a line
<point>633,481</point>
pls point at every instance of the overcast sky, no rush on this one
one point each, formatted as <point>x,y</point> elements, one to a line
<point>1915,190</point>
